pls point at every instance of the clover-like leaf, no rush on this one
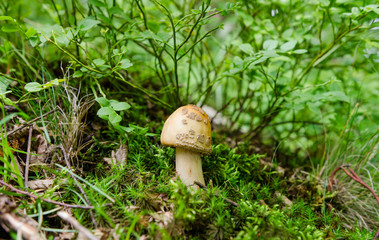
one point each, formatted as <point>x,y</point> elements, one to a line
<point>288,46</point>
<point>33,87</point>
<point>102,101</point>
<point>105,111</point>
<point>270,44</point>
<point>120,106</point>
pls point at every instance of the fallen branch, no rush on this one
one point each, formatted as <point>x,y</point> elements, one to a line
<point>353,175</point>
<point>24,125</point>
<point>26,174</point>
<point>11,222</point>
<point>226,199</point>
<point>13,189</point>
<point>82,230</point>
<point>78,184</point>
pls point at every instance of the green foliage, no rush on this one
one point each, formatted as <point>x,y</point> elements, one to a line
<point>288,63</point>
<point>266,223</point>
<point>10,169</point>
<point>301,75</point>
<point>108,112</point>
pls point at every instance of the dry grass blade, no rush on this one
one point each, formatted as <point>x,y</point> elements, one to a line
<point>71,124</point>
<point>353,175</point>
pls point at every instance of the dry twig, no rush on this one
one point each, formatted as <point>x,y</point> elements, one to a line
<point>78,184</point>
<point>82,230</point>
<point>10,221</point>
<point>28,123</point>
<point>13,189</point>
<point>26,174</point>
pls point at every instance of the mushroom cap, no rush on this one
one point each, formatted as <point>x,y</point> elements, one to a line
<point>188,127</point>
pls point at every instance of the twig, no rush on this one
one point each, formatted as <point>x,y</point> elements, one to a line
<point>353,175</point>
<point>11,222</point>
<point>13,189</point>
<point>78,184</point>
<point>26,175</point>
<point>65,216</point>
<point>226,199</point>
<point>28,123</point>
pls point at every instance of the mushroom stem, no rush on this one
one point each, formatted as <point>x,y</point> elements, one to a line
<point>188,167</point>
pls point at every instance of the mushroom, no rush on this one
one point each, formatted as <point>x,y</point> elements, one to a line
<point>189,130</point>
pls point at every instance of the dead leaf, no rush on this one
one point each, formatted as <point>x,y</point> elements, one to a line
<point>163,218</point>
<point>40,184</point>
<point>102,233</point>
<point>119,156</point>
<point>284,199</point>
<point>167,221</point>
<point>65,236</point>
<point>43,151</point>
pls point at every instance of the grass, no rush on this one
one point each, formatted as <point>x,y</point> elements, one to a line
<point>142,197</point>
<point>295,83</point>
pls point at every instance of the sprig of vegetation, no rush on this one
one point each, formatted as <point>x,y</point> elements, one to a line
<point>290,85</point>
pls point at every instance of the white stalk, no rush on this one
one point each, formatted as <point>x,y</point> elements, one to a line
<point>188,166</point>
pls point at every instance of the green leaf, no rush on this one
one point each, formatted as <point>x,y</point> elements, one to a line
<point>126,129</point>
<point>6,18</point>
<point>315,108</point>
<point>337,96</point>
<point>246,48</point>
<point>355,11</point>
<point>33,87</point>
<point>87,23</point>
<point>125,63</point>
<point>153,26</point>
<point>120,106</point>
<point>114,118</point>
<point>116,10</point>
<point>4,83</point>
<point>34,41</point>
<point>7,118</point>
<point>77,74</point>
<point>99,62</point>
<point>269,54</point>
<point>97,3</point>
<point>288,46</point>
<point>102,101</point>
<point>270,44</point>
<point>300,51</point>
<point>105,111</point>
<point>259,60</point>
<point>10,28</point>
<point>31,32</point>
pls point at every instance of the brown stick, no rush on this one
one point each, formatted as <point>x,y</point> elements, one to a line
<point>28,123</point>
<point>78,184</point>
<point>11,222</point>
<point>26,174</point>
<point>65,216</point>
<point>13,189</point>
<point>226,199</point>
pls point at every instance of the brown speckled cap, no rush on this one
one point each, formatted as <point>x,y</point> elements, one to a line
<point>188,127</point>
